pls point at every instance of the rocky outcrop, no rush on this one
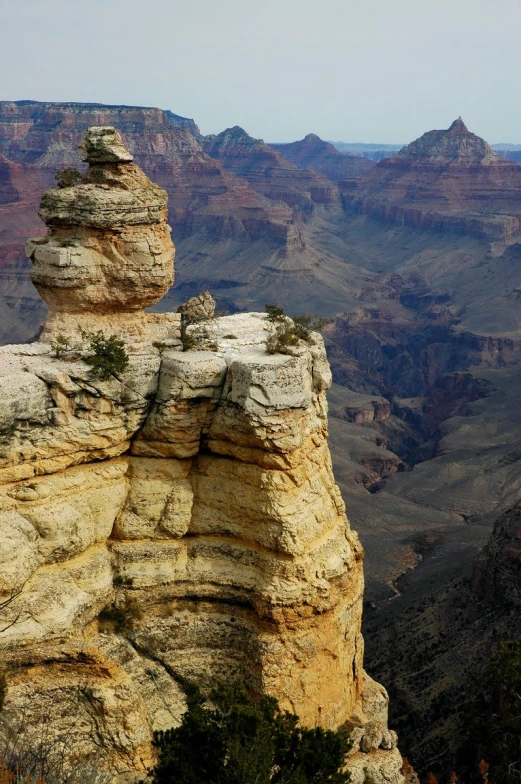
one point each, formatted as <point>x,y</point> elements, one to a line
<point>206,201</point>
<point>449,180</point>
<point>269,172</point>
<point>179,520</point>
<point>314,153</point>
<point>108,252</point>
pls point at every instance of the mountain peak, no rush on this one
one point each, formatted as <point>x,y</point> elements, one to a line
<point>456,143</point>
<point>459,126</point>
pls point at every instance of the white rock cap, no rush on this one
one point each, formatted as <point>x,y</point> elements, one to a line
<point>103,144</point>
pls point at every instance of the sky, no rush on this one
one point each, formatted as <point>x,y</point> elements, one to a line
<point>347,70</point>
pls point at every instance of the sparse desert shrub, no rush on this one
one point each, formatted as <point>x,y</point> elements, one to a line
<point>109,357</point>
<point>304,325</point>
<point>239,740</point>
<point>189,340</point>
<point>67,178</point>
<point>36,752</point>
<point>61,345</point>
<point>289,331</point>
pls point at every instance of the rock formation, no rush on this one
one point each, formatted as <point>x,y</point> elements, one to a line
<point>312,152</point>
<point>416,305</point>
<point>177,521</point>
<point>108,252</point>
<point>269,172</point>
<point>208,205</point>
<point>449,180</point>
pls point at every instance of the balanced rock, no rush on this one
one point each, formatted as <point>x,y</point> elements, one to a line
<point>108,252</point>
<point>104,145</point>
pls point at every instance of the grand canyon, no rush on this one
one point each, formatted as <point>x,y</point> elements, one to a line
<point>414,260</point>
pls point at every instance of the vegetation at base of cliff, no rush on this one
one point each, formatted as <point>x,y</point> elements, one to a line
<point>37,756</point>
<point>491,753</point>
<point>496,725</point>
<point>67,178</point>
<point>289,331</point>
<point>109,357</point>
<point>239,740</point>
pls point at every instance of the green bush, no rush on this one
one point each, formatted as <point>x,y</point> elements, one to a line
<point>61,345</point>
<point>289,331</point>
<point>109,357</point>
<point>242,741</point>
<point>275,313</point>
<point>67,178</point>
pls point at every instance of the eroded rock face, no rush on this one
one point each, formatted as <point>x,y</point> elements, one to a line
<point>312,152</point>
<point>195,497</point>
<point>108,253</point>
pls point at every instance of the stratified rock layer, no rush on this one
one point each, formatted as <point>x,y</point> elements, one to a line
<point>447,180</point>
<point>108,251</point>
<point>312,152</point>
<point>177,521</point>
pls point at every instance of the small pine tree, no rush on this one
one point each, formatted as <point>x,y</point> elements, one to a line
<point>109,357</point>
<point>61,345</point>
<point>243,741</point>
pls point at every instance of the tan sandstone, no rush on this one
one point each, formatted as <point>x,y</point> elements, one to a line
<point>195,492</point>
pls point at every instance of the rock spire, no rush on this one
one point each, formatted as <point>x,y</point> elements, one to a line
<point>108,253</point>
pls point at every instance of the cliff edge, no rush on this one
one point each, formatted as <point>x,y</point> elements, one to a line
<point>178,520</point>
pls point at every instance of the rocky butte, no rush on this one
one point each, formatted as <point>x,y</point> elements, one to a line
<point>176,521</point>
<point>312,152</point>
<point>447,180</point>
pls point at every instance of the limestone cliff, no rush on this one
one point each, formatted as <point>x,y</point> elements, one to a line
<point>177,521</point>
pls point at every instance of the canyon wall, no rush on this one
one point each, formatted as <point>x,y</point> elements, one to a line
<point>178,520</point>
<point>445,641</point>
<point>446,181</point>
<point>314,153</point>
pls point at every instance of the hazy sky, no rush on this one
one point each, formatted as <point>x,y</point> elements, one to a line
<point>351,70</point>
